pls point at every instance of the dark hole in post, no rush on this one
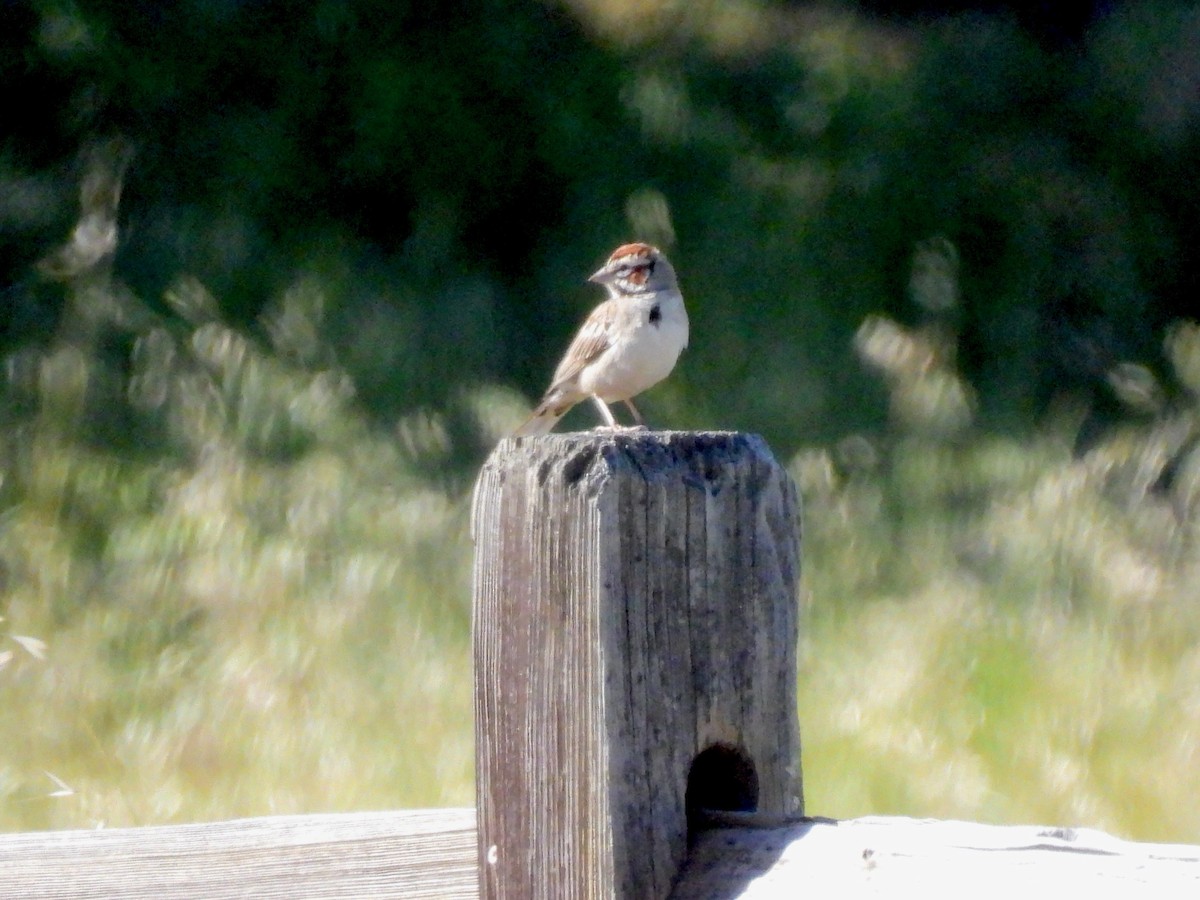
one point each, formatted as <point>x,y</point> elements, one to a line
<point>722,778</point>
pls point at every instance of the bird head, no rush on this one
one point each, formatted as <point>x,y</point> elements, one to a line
<point>635,269</point>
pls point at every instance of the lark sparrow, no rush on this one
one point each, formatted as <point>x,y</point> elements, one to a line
<point>627,345</point>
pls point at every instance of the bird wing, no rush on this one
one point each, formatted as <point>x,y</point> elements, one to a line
<point>593,338</point>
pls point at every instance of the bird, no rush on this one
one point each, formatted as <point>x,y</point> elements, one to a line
<point>628,343</point>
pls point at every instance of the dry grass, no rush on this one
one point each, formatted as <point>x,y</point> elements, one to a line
<point>991,636</point>
<point>268,611</point>
<point>224,629</point>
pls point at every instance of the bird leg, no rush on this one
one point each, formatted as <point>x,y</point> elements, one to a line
<point>605,412</point>
<point>637,416</point>
<point>611,423</point>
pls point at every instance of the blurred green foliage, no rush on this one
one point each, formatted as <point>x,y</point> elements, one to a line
<point>447,174</point>
<point>276,275</point>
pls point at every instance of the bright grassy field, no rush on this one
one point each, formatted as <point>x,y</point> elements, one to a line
<point>993,630</point>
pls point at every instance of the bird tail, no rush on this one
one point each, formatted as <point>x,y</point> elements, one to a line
<point>545,416</point>
<point>542,421</point>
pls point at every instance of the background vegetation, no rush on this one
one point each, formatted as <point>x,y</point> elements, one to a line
<point>277,275</point>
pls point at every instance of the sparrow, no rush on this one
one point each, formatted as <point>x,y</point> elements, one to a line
<point>628,344</point>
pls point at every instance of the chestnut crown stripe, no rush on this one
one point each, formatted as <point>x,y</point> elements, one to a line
<point>637,249</point>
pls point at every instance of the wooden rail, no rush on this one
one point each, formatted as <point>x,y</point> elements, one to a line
<point>351,856</point>
<point>431,854</point>
<point>635,634</point>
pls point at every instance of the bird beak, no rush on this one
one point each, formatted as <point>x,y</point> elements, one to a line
<point>602,276</point>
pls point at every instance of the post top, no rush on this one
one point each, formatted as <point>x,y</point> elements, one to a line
<point>713,446</point>
<point>592,460</point>
<point>633,435</point>
<point>582,455</point>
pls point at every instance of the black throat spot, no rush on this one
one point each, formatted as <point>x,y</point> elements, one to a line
<point>655,314</point>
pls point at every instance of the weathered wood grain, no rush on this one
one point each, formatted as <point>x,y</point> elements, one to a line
<point>899,857</point>
<point>432,854</point>
<point>635,604</point>
<point>412,854</point>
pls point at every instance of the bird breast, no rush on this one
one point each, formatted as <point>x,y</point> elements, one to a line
<point>648,340</point>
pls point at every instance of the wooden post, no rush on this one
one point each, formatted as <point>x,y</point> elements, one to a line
<point>635,630</point>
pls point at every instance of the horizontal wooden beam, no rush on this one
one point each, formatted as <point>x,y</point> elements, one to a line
<point>899,857</point>
<point>408,854</point>
<point>431,854</point>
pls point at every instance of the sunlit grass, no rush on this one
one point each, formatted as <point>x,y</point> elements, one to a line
<point>267,610</point>
<point>239,649</point>
<point>1016,652</point>
<point>968,650</point>
<point>268,614</point>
